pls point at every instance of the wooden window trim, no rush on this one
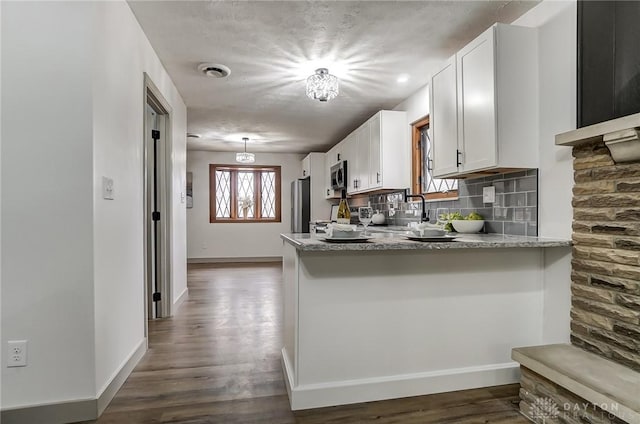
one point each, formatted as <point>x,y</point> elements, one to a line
<point>416,163</point>
<point>257,193</point>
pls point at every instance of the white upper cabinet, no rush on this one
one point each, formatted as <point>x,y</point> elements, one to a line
<point>378,154</point>
<point>306,166</point>
<point>475,66</point>
<point>314,166</point>
<point>494,96</point>
<point>443,119</point>
<point>389,151</point>
<point>360,159</point>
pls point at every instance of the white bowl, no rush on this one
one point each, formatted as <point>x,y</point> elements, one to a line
<point>467,226</point>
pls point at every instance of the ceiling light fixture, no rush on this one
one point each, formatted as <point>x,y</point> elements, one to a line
<point>322,85</point>
<point>244,157</point>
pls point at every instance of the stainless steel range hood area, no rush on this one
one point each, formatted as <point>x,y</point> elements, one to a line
<point>621,136</point>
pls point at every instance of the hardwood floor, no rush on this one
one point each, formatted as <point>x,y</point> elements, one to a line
<point>218,361</point>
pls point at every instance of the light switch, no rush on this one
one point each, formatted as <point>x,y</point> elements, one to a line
<point>488,194</point>
<point>107,188</point>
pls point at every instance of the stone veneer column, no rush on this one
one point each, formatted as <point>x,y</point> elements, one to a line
<point>605,313</point>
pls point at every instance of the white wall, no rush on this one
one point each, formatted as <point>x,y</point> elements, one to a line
<point>416,106</point>
<point>236,240</point>
<point>75,266</point>
<point>556,22</point>
<point>47,208</point>
<point>122,54</point>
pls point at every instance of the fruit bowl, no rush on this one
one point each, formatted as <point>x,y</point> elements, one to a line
<point>467,226</point>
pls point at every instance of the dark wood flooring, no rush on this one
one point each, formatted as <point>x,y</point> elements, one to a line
<point>218,361</point>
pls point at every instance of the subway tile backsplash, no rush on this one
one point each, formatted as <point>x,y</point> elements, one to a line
<point>515,210</point>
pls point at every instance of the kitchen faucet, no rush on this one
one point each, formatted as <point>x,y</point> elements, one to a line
<point>424,217</point>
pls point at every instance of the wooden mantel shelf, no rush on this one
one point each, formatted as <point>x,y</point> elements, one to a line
<point>596,132</point>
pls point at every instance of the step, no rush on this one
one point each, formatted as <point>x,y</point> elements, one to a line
<point>587,375</point>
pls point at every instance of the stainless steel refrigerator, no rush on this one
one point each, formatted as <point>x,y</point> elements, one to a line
<point>300,205</point>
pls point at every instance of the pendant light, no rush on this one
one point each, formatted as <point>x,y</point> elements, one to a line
<point>244,157</point>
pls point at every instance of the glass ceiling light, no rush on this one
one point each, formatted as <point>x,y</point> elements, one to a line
<point>322,85</point>
<point>244,157</point>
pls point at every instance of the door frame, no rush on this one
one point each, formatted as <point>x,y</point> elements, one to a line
<point>153,97</point>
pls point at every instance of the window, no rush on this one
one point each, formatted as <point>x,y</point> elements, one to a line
<point>244,193</point>
<point>422,180</point>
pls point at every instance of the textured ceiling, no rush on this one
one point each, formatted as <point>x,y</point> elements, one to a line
<point>271,47</point>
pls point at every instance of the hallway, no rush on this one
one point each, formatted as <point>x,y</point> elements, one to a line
<point>218,361</point>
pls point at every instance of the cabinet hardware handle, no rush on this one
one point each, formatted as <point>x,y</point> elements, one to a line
<point>338,157</point>
<point>458,155</point>
<point>377,177</point>
<point>328,193</point>
<point>304,172</point>
<point>429,164</point>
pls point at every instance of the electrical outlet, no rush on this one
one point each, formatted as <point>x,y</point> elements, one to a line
<point>488,194</point>
<point>17,353</point>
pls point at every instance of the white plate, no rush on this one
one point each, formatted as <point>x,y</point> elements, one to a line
<point>344,239</point>
<point>432,238</point>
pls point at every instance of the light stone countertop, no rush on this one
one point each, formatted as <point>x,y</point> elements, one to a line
<point>397,241</point>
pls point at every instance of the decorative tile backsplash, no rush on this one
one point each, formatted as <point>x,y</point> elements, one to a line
<point>515,210</point>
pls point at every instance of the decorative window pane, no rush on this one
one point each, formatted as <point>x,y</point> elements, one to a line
<point>223,194</point>
<point>429,183</point>
<point>241,193</point>
<point>245,194</point>
<point>268,194</point>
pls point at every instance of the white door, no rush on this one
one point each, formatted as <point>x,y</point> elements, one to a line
<point>477,103</point>
<point>443,120</point>
<point>157,208</point>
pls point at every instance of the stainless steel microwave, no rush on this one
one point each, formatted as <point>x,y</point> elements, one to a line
<point>339,176</point>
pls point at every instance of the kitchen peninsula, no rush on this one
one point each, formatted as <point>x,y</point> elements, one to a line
<point>393,318</point>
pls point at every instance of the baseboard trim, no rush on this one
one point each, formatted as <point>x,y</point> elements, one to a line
<point>75,410</point>
<point>120,377</point>
<point>397,386</point>
<point>287,370</point>
<point>180,300</point>
<point>234,260</point>
<point>52,413</point>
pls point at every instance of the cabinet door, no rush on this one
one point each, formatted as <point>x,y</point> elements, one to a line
<point>349,154</point>
<point>375,149</point>
<point>362,157</point>
<point>306,166</point>
<point>443,120</point>
<point>477,103</point>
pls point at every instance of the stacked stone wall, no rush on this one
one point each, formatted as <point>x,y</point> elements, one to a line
<point>605,312</point>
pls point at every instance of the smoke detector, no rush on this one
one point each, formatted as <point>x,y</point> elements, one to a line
<point>214,70</point>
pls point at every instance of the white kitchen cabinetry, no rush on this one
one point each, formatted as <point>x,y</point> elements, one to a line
<point>443,119</point>
<point>378,154</point>
<point>496,105</point>
<point>306,166</point>
<point>389,151</point>
<point>331,158</point>
<point>313,166</point>
<point>357,157</point>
